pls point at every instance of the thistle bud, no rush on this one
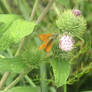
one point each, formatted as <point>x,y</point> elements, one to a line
<point>66,43</point>
<point>68,22</point>
<point>76,12</point>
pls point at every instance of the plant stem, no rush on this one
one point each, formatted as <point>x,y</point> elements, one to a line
<point>30,81</point>
<point>17,79</point>
<point>56,9</point>
<point>21,75</point>
<point>6,74</point>
<point>65,88</point>
<point>6,6</point>
<point>34,9</point>
<point>3,79</point>
<point>20,47</point>
<point>44,11</point>
<point>43,76</point>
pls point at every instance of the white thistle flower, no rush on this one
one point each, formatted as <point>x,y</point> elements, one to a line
<point>66,43</point>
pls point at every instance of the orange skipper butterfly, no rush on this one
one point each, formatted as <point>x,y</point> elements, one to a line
<point>48,41</point>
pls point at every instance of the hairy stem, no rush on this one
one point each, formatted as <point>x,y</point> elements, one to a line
<point>65,88</point>
<point>3,79</point>
<point>34,9</point>
<point>44,11</point>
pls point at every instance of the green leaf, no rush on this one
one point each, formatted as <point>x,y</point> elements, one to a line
<point>15,65</point>
<point>6,20</point>
<point>18,29</point>
<point>61,71</point>
<point>31,53</point>
<point>25,89</point>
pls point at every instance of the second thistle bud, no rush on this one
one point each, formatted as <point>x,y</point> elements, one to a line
<point>66,43</point>
<point>76,12</point>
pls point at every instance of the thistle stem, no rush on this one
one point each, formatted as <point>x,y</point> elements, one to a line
<point>65,88</point>
<point>3,79</point>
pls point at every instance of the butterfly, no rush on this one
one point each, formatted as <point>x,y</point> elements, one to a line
<point>48,40</point>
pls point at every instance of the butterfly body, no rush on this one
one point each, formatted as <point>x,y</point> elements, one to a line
<point>48,41</point>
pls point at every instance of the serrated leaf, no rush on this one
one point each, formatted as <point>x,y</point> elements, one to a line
<point>19,29</point>
<point>25,89</point>
<point>61,71</point>
<point>15,65</point>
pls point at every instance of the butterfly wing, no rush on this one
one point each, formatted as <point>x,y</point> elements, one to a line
<point>49,46</point>
<point>44,45</point>
<point>44,37</point>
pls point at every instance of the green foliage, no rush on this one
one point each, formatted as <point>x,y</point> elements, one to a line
<point>13,28</point>
<point>6,20</point>
<point>15,32</point>
<point>68,22</point>
<point>24,8</point>
<point>65,3</point>
<point>86,91</point>
<point>14,65</point>
<point>61,71</point>
<point>31,53</point>
<point>25,89</point>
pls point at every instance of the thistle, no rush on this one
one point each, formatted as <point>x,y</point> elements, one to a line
<point>68,22</point>
<point>66,43</point>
